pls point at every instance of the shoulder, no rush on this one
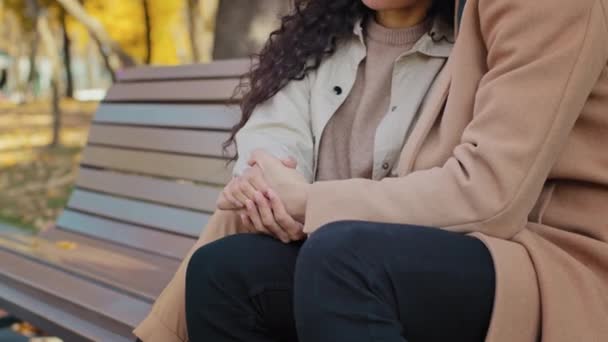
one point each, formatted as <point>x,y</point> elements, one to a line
<point>537,9</point>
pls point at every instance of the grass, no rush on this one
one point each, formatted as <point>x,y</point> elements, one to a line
<point>33,193</point>
<point>36,181</point>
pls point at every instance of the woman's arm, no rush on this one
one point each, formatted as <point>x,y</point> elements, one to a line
<point>280,126</point>
<point>544,58</point>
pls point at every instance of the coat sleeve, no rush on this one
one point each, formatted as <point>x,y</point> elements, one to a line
<point>282,127</point>
<point>544,58</point>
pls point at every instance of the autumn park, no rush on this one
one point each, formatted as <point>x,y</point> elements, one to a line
<point>58,59</point>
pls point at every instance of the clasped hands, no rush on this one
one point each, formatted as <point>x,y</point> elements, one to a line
<point>270,197</point>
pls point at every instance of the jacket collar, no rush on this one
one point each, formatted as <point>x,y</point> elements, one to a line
<point>438,43</point>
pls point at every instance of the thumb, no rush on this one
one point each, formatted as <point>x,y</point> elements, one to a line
<point>290,162</point>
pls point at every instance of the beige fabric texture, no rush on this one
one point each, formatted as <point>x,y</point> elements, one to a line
<point>347,143</point>
<point>511,147</point>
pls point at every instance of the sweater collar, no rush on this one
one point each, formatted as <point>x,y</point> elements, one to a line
<point>437,43</point>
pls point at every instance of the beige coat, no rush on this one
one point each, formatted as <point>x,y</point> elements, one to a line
<point>511,146</point>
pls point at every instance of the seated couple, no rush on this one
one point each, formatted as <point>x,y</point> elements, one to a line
<point>386,192</point>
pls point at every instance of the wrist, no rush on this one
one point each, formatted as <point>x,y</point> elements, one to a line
<point>300,213</point>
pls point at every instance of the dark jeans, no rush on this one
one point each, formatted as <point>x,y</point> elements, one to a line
<point>350,281</point>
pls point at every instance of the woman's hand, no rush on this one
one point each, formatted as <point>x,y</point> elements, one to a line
<point>287,184</point>
<point>242,189</point>
<point>267,215</point>
<point>259,210</point>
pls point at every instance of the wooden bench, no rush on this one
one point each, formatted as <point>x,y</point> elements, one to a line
<point>148,181</point>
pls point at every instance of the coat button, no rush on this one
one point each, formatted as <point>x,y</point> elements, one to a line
<point>394,108</point>
<point>386,166</point>
<point>337,90</point>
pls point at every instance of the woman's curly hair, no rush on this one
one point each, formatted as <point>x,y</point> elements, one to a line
<point>305,38</point>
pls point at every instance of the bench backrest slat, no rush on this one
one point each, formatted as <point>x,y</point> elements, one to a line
<point>191,116</point>
<point>152,215</point>
<point>206,170</point>
<point>195,91</point>
<point>169,245</point>
<point>184,195</point>
<point>220,69</point>
<point>193,142</point>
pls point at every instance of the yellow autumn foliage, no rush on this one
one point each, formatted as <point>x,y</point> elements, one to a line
<point>124,21</point>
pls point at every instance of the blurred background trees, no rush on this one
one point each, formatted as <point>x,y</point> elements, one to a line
<point>57,58</point>
<point>80,44</point>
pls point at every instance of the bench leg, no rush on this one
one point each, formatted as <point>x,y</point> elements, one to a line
<point>167,320</point>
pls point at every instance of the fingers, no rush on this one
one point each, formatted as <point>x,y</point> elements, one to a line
<point>256,179</point>
<point>243,190</point>
<point>293,228</point>
<point>226,201</point>
<point>268,218</point>
<point>273,230</point>
<point>290,162</point>
<point>257,222</point>
<point>246,221</point>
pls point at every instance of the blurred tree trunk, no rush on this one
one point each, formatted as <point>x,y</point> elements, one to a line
<point>67,57</point>
<point>194,28</point>
<point>108,47</point>
<point>40,16</point>
<point>148,24</point>
<point>242,26</point>
<point>32,57</point>
<point>32,76</point>
<point>51,49</point>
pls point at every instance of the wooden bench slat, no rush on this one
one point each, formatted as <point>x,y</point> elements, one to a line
<point>122,310</point>
<point>217,69</point>
<point>166,140</point>
<point>208,170</point>
<point>173,91</point>
<point>153,241</point>
<point>191,116</point>
<point>186,195</point>
<point>53,315</point>
<point>174,220</point>
<point>133,272</point>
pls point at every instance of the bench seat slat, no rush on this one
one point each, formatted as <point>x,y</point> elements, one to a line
<point>150,240</point>
<point>186,195</point>
<point>191,116</point>
<point>123,311</point>
<point>203,143</point>
<point>71,322</point>
<point>129,271</point>
<point>180,221</point>
<point>207,170</point>
<point>173,91</point>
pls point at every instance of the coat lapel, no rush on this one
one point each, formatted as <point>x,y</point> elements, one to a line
<point>431,110</point>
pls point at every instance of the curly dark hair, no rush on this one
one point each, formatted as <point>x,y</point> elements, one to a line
<point>305,38</point>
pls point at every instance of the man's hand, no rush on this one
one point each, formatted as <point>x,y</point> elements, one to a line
<point>287,184</point>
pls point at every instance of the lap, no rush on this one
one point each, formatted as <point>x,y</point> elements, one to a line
<point>425,274</point>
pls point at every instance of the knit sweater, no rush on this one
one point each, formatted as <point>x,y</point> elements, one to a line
<point>347,144</point>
